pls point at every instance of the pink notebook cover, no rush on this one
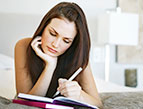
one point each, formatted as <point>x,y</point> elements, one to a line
<point>41,104</point>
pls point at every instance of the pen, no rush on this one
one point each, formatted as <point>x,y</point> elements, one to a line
<point>71,78</point>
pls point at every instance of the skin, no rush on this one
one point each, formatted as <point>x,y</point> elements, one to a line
<point>54,42</point>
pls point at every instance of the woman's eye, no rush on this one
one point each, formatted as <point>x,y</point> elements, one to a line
<point>53,34</point>
<point>67,41</point>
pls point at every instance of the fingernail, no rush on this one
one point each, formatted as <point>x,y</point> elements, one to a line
<point>60,80</point>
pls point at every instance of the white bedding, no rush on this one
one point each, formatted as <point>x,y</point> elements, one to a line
<point>7,83</point>
<point>6,62</point>
<point>7,77</point>
<point>105,87</point>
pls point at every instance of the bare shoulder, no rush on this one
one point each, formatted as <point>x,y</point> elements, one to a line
<point>21,46</point>
<point>21,52</point>
<point>23,42</point>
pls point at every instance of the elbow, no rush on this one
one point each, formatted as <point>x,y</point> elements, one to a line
<point>100,105</point>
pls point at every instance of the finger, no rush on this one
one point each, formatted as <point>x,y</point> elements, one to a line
<point>70,92</point>
<point>61,81</point>
<point>35,40</point>
<point>37,49</point>
<point>71,88</point>
<point>38,43</point>
<point>64,85</point>
<point>35,46</point>
<point>69,85</point>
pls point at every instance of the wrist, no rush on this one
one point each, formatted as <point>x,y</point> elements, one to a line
<point>81,98</point>
<point>50,66</point>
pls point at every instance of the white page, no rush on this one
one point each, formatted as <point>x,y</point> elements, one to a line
<point>35,97</point>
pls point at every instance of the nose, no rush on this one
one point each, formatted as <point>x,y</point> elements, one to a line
<point>56,42</point>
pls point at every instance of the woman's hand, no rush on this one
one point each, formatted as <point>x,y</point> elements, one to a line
<point>36,43</point>
<point>70,89</point>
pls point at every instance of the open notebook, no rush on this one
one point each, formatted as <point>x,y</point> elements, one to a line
<point>60,100</point>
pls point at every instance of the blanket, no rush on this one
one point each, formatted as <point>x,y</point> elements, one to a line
<point>126,100</point>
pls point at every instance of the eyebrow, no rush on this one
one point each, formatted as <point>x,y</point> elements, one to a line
<point>54,30</point>
<point>57,33</point>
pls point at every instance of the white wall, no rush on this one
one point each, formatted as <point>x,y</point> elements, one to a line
<point>41,7</point>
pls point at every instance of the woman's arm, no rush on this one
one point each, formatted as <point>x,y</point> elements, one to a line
<point>83,89</point>
<point>23,79</point>
<point>89,91</point>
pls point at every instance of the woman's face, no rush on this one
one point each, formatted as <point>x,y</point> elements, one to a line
<point>58,36</point>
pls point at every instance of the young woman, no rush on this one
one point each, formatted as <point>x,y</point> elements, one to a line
<point>60,45</point>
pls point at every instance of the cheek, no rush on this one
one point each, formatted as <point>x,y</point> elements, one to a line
<point>45,40</point>
<point>64,48</point>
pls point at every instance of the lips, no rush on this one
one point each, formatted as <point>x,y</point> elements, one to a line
<point>52,50</point>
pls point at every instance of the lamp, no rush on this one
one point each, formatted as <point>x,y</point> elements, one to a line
<point>116,28</point>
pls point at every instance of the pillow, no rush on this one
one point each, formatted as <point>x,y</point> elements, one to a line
<point>6,62</point>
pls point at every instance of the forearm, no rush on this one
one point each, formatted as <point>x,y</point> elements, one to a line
<point>42,84</point>
<point>84,97</point>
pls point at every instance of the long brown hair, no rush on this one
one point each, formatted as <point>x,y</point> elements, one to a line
<point>76,56</point>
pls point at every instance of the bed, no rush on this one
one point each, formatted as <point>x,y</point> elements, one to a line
<point>112,95</point>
